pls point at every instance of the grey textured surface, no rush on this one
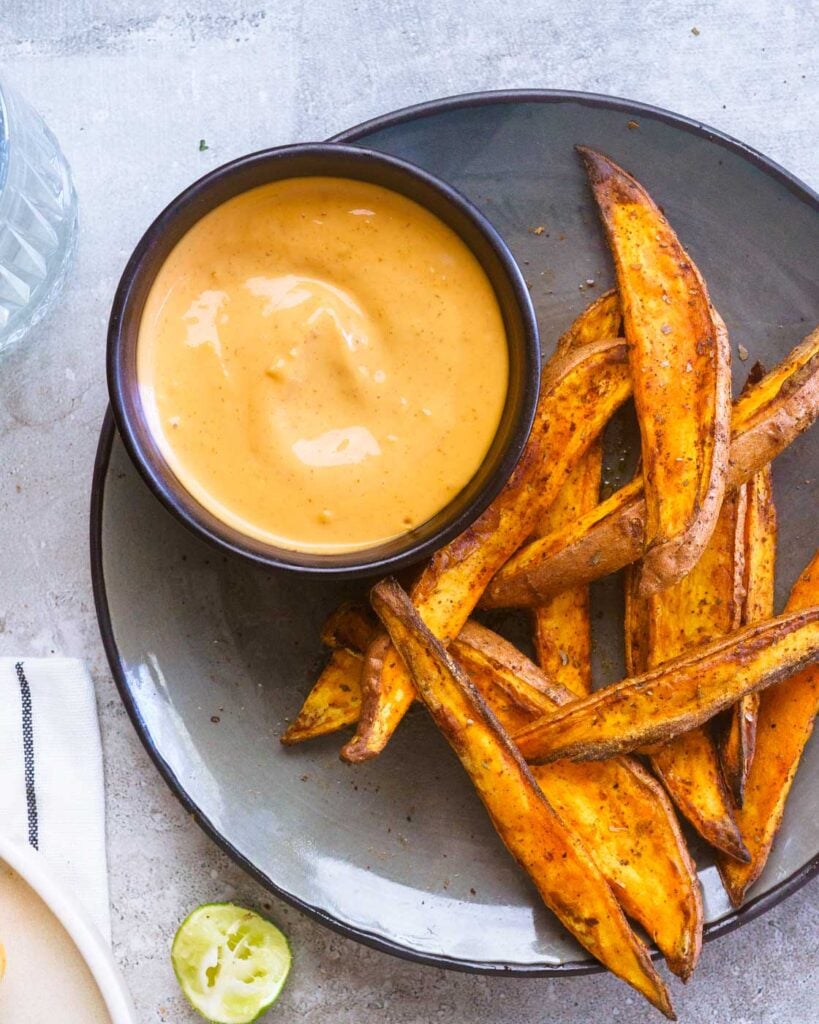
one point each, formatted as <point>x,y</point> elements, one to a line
<point>130,88</point>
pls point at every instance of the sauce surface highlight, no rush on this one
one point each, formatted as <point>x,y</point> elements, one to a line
<point>323,363</point>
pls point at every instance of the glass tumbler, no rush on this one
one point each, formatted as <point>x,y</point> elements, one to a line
<point>38,217</point>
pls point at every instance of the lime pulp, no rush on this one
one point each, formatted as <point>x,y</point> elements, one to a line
<point>230,962</point>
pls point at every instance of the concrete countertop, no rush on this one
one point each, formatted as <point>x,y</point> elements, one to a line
<point>130,88</point>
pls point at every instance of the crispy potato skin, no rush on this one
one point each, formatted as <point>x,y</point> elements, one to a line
<point>579,393</point>
<point>664,702</point>
<point>616,809</point>
<point>769,415</point>
<point>681,372</point>
<point>605,539</point>
<point>759,561</point>
<point>786,715</point>
<point>704,605</point>
<point>766,418</point>
<point>334,701</point>
<point>560,866</point>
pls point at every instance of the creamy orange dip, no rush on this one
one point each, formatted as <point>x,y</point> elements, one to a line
<point>323,363</point>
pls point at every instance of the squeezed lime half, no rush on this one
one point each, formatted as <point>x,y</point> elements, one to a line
<point>230,962</point>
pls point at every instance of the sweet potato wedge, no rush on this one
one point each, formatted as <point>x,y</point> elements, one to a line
<point>623,817</point>
<point>488,655</point>
<point>704,605</point>
<point>505,707</point>
<point>664,702</point>
<point>350,626</point>
<point>621,814</point>
<point>602,318</point>
<point>766,418</point>
<point>618,811</point>
<point>579,393</point>
<point>689,768</point>
<point>333,702</point>
<point>350,630</point>
<point>759,558</point>
<point>560,625</point>
<point>680,363</point>
<point>560,866</point>
<point>688,765</point>
<point>786,714</point>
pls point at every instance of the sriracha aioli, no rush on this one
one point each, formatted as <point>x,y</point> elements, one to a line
<point>323,363</point>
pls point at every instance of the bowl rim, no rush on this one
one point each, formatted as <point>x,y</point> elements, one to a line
<point>161,479</point>
<point>734,919</point>
<point>35,872</point>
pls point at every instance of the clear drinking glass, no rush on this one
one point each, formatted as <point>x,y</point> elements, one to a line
<point>38,217</point>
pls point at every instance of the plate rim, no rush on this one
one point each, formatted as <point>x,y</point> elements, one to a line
<point>736,918</point>
<point>88,940</point>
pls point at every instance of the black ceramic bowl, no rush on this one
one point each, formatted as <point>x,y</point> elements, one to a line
<point>363,165</point>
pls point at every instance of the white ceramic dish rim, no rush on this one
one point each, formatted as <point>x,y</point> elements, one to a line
<point>32,868</point>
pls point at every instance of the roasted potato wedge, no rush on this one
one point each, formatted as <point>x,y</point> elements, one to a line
<point>579,393</point>
<point>351,626</point>
<point>680,363</point>
<point>617,810</point>
<point>688,765</point>
<point>786,714</point>
<point>759,558</point>
<point>622,816</point>
<point>351,629</point>
<point>602,318</point>
<point>707,603</point>
<point>507,709</point>
<point>634,839</point>
<point>560,866</point>
<point>560,625</point>
<point>488,655</point>
<point>766,418</point>
<point>689,768</point>
<point>704,605</point>
<point>333,702</point>
<point>664,702</point>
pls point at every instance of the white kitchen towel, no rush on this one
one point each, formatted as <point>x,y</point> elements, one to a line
<point>51,784</point>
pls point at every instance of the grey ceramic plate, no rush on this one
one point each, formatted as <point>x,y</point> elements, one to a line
<point>212,654</point>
